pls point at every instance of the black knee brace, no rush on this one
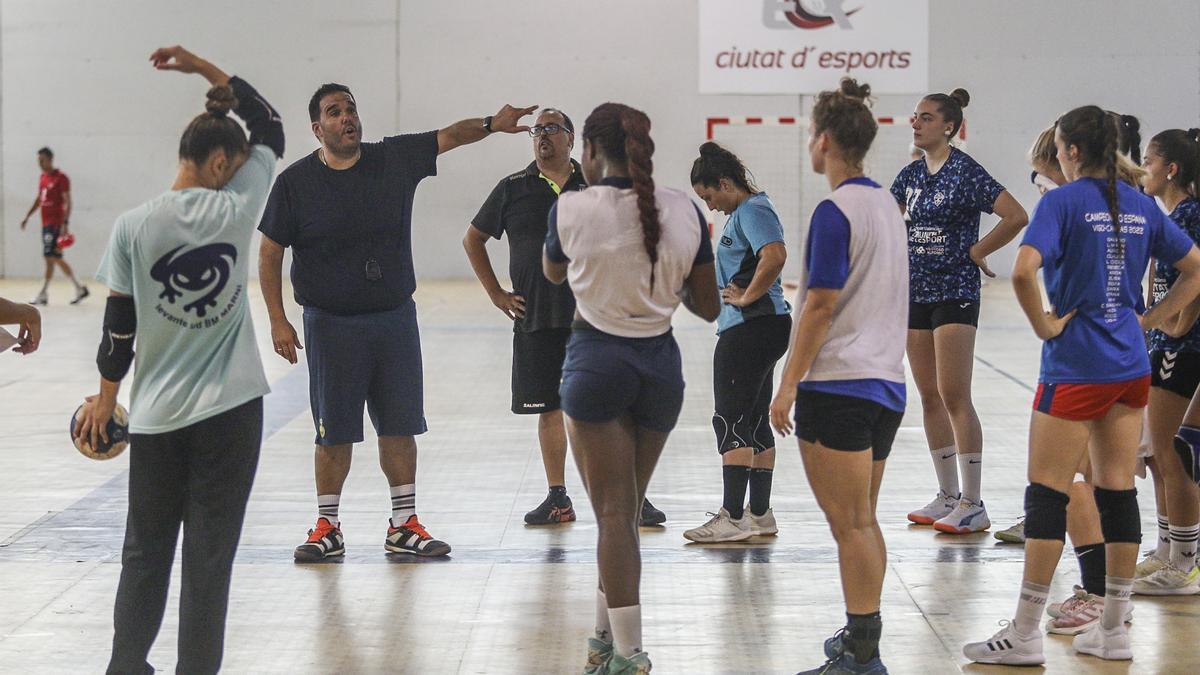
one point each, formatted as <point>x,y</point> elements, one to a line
<point>730,435</point>
<point>763,438</point>
<point>1119,519</point>
<point>1045,513</point>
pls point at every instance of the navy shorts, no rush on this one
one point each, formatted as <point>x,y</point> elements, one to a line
<point>372,359</point>
<point>605,376</point>
<point>50,247</point>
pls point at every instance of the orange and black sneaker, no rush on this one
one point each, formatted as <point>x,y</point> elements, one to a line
<point>411,537</point>
<point>324,541</point>
<point>555,509</point>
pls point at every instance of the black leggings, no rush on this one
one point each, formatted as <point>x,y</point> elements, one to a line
<point>199,476</point>
<point>743,375</point>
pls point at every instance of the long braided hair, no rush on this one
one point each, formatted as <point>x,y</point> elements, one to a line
<point>1095,133</point>
<point>623,133</point>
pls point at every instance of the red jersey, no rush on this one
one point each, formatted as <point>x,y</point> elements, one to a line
<point>52,188</point>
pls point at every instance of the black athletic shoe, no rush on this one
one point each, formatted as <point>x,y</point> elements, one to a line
<point>651,516</point>
<point>81,293</point>
<point>553,510</point>
<point>324,541</point>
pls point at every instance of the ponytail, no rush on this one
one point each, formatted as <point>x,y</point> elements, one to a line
<point>1096,134</point>
<point>623,133</point>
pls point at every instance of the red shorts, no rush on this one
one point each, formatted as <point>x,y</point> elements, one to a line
<point>1081,402</point>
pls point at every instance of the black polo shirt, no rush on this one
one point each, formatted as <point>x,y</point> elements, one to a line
<point>519,206</point>
<point>336,221</point>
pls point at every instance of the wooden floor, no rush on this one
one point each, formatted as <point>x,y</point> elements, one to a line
<point>515,599</point>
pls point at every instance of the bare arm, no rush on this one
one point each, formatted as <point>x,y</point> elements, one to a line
<point>555,272</point>
<point>37,201</point>
<point>808,334</point>
<point>699,293</point>
<point>472,131</point>
<point>270,280</point>
<point>1046,324</point>
<point>771,259</point>
<point>1012,220</point>
<point>1182,296</point>
<point>178,58</point>
<point>475,244</point>
<point>29,320</point>
<point>66,211</point>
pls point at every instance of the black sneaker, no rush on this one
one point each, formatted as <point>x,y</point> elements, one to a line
<point>412,537</point>
<point>324,541</point>
<point>81,293</point>
<point>651,516</point>
<point>556,508</point>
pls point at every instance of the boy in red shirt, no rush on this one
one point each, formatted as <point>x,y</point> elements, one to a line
<point>54,198</point>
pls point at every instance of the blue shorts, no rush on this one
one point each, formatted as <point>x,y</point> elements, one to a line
<point>372,359</point>
<point>605,376</point>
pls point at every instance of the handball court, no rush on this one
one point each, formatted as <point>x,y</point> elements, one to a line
<point>513,598</point>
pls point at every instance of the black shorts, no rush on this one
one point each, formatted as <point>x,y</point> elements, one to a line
<point>537,369</point>
<point>743,372</point>
<point>50,247</point>
<point>846,423</point>
<point>1176,372</point>
<point>931,315</point>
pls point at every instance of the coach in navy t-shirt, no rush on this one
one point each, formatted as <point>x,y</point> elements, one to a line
<point>346,212</point>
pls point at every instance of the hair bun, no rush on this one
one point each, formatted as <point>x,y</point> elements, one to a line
<point>711,149</point>
<point>961,97</point>
<point>220,100</point>
<point>1194,134</point>
<point>851,88</point>
<point>1130,122</point>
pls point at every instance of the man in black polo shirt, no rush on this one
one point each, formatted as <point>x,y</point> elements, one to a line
<point>541,311</point>
<point>345,211</point>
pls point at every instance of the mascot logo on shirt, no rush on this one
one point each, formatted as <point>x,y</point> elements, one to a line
<point>200,273</point>
<point>809,14</point>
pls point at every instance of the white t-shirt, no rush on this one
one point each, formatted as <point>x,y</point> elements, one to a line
<point>185,257</point>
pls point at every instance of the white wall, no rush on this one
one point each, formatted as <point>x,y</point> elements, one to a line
<point>73,76</point>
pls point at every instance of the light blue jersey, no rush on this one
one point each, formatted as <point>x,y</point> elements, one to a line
<point>751,226</point>
<point>185,258</point>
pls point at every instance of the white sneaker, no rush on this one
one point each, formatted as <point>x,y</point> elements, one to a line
<point>966,518</point>
<point>41,299</point>
<point>1149,565</point>
<point>1111,645</point>
<point>935,510</point>
<point>1080,612</point>
<point>1057,609</point>
<point>721,528</point>
<point>1014,534</point>
<point>1008,647</point>
<point>1169,580</point>
<point>764,525</point>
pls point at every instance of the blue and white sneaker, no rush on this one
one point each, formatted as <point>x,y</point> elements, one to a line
<point>845,664</point>
<point>967,517</point>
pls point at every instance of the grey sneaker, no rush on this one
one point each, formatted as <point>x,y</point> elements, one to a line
<point>1013,535</point>
<point>764,525</point>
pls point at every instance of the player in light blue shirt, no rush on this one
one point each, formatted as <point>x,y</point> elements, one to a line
<point>177,268</point>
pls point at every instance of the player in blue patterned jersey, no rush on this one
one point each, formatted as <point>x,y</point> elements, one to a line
<point>942,195</point>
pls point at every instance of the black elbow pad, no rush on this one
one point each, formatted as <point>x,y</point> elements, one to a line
<point>115,355</point>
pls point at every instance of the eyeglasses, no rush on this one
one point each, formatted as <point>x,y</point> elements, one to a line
<point>547,130</point>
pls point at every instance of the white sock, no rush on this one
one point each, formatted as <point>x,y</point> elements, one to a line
<point>1163,550</point>
<point>1183,546</point>
<point>404,503</point>
<point>1116,601</point>
<point>327,508</point>
<point>603,627</point>
<point>947,469</point>
<point>971,468</point>
<point>626,629</point>
<point>1030,608</point>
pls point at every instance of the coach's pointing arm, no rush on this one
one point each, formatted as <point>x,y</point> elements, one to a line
<point>478,128</point>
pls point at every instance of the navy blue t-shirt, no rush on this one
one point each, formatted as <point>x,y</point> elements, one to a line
<point>1187,216</point>
<point>1083,269</point>
<point>942,211</point>
<point>337,221</point>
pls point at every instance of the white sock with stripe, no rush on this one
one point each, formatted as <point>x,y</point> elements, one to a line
<point>626,629</point>
<point>1030,608</point>
<point>1116,601</point>
<point>327,508</point>
<point>1183,546</point>
<point>946,466</point>
<point>1163,549</point>
<point>404,503</point>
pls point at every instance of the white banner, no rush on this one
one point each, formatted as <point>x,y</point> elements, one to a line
<point>806,46</point>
